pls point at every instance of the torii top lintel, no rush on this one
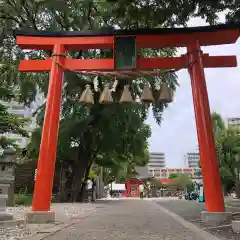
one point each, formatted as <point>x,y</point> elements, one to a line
<point>127,59</point>
<point>145,38</point>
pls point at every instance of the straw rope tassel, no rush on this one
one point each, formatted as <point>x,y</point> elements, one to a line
<point>87,96</point>
<point>165,93</point>
<point>106,96</point>
<point>126,95</point>
<point>147,96</point>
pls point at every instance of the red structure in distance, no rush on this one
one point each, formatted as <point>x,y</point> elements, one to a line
<point>195,61</point>
<point>132,187</point>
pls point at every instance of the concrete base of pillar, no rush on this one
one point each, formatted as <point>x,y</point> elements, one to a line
<point>236,226</point>
<point>11,223</point>
<point>216,218</point>
<point>40,217</point>
<point>4,216</point>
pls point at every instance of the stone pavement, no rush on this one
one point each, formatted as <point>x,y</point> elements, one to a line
<point>127,220</point>
<point>65,212</point>
<point>191,211</point>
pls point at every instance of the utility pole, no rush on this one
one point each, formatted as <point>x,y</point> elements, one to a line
<point>237,166</point>
<point>217,133</point>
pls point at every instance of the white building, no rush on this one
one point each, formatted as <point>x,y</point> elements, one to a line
<point>156,162</point>
<point>26,112</point>
<point>192,159</point>
<point>234,122</point>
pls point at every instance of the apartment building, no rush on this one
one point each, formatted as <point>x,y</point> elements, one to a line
<point>156,162</point>
<point>192,159</point>
<point>26,112</point>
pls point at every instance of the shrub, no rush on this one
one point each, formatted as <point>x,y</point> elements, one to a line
<point>23,198</point>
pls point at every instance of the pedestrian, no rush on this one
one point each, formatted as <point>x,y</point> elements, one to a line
<point>89,189</point>
<point>141,190</point>
<point>94,188</point>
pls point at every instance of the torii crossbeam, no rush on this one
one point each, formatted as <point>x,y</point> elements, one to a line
<point>195,61</point>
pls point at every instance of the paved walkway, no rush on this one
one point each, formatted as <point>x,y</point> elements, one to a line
<point>126,220</point>
<point>64,212</point>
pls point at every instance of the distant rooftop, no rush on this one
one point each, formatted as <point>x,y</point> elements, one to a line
<point>143,173</point>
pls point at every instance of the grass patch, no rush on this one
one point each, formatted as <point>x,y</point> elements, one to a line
<point>21,199</point>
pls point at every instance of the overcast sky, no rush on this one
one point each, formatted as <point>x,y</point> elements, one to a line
<point>177,133</point>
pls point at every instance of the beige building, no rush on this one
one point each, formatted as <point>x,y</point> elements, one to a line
<point>164,173</point>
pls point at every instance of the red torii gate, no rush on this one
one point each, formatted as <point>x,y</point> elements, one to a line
<point>191,38</point>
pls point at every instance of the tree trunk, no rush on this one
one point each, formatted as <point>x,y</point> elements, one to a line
<point>79,169</point>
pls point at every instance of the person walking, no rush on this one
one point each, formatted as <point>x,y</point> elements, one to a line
<point>141,190</point>
<point>89,189</point>
<point>94,189</point>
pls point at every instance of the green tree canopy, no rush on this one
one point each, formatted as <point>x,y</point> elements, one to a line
<point>173,175</point>
<point>181,181</point>
<point>174,12</point>
<point>227,140</point>
<point>115,133</point>
<point>111,132</point>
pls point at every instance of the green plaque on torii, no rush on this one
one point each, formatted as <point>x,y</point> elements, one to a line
<point>125,52</point>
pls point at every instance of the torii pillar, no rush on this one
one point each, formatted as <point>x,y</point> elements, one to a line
<point>209,163</point>
<point>42,197</point>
